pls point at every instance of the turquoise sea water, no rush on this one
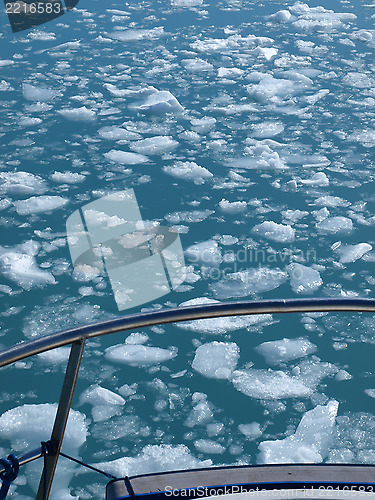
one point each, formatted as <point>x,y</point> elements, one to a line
<point>287,135</point>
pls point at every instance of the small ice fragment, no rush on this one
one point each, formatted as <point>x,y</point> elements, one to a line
<point>206,253</point>
<point>208,446</point>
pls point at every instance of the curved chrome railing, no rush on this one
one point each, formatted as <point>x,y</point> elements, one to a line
<point>77,337</point>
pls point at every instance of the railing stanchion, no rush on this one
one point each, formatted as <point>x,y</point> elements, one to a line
<point>61,419</point>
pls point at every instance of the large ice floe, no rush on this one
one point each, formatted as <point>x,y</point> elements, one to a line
<point>188,171</point>
<point>36,93</point>
<point>26,426</point>
<point>39,204</point>
<point>303,279</point>
<point>309,444</point>
<point>300,382</point>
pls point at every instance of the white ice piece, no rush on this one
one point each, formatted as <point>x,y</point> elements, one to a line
<point>138,355</point>
<point>303,279</point>
<point>216,359</point>
<point>282,351</point>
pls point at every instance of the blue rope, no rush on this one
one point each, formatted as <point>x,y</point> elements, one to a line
<point>11,467</point>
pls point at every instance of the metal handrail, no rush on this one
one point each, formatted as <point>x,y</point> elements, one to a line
<point>77,337</point>
<point>178,314</point>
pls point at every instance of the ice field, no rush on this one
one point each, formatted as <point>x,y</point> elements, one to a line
<point>248,128</point>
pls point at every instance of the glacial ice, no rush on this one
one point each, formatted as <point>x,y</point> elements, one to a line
<point>81,114</point>
<point>155,458</point>
<point>21,183</point>
<point>233,207</point>
<point>125,157</point>
<point>159,102</point>
<point>334,225</point>
<point>23,270</point>
<point>39,204</point>
<point>216,359</point>
<point>283,233</point>
<point>188,171</point>
<point>154,145</point>
<point>219,325</point>
<point>40,94</point>
<point>138,355</point>
<point>282,351</point>
<point>309,444</point>
<point>351,253</point>
<point>303,279</point>
<point>208,446</point>
<point>105,403</point>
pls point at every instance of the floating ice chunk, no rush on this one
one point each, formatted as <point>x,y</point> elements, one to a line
<point>105,403</point>
<point>188,171</point>
<point>314,98</point>
<point>160,102</point>
<point>39,204</point>
<point>114,133</point>
<point>154,458</point>
<point>249,282</point>
<point>23,270</point>
<point>259,156</point>
<point>331,201</point>
<point>318,179</point>
<point>362,35</point>
<point>234,207</point>
<point>6,62</point>
<point>229,72</point>
<point>251,431</point>
<point>219,325</point>
<point>201,413</point>
<point>154,145</point>
<point>186,3</point>
<point>26,426</point>
<point>67,177</point>
<point>28,121</point>
<point>276,90</point>
<point>99,396</point>
<point>269,385</point>
<point>294,215</point>
<point>190,217</point>
<point>334,225</point>
<point>358,80</point>
<point>366,137</point>
<point>209,447</point>
<point>196,65</point>
<point>283,233</point>
<point>351,253</point>
<point>4,85</point>
<point>130,35</point>
<point>41,94</point>
<point>21,183</point>
<point>318,18</point>
<point>125,157</point>
<point>206,253</point>
<point>267,129</point>
<point>203,125</point>
<point>309,444</point>
<point>282,351</point>
<point>303,279</point>
<point>282,16</point>
<point>56,356</point>
<point>138,355</point>
<point>81,114</point>
<point>230,44</point>
<point>216,359</point>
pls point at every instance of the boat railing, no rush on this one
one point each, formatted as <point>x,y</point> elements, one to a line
<point>76,337</point>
